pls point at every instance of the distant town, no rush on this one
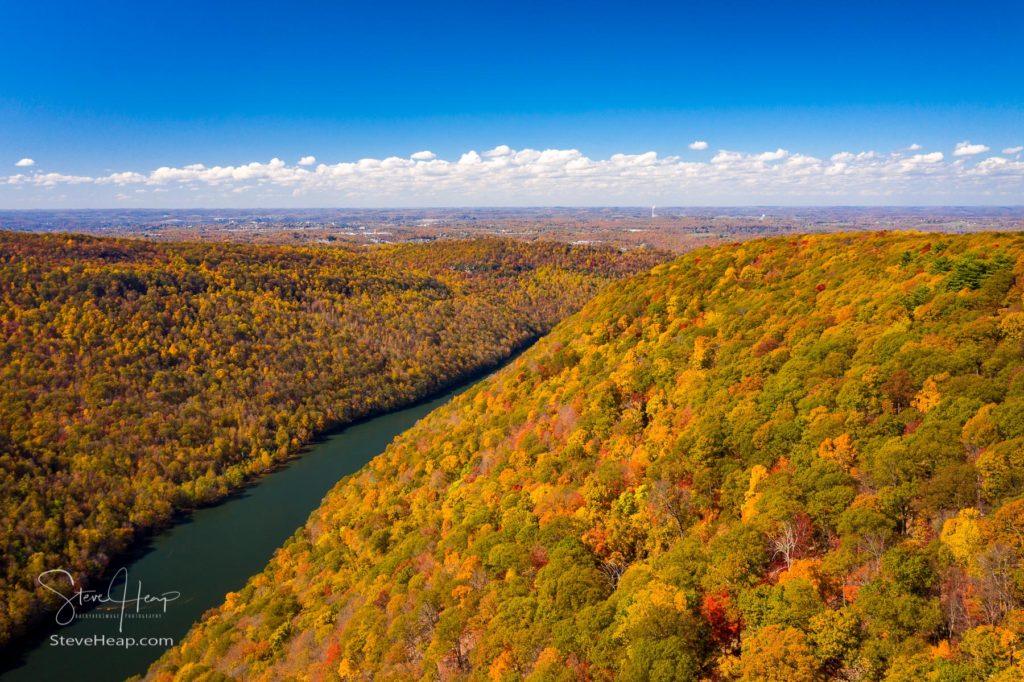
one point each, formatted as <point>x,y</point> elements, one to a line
<point>677,229</point>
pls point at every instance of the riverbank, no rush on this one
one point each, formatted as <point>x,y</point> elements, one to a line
<point>205,554</point>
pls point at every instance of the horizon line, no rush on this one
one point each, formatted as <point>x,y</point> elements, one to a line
<point>513,207</point>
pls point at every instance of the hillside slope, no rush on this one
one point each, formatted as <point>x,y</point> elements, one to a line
<point>140,378</point>
<point>782,460</point>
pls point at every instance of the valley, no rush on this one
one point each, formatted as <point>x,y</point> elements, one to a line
<point>139,379</point>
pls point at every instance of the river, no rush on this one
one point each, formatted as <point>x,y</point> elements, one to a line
<point>205,555</point>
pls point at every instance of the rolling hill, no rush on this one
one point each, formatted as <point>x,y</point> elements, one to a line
<point>790,459</point>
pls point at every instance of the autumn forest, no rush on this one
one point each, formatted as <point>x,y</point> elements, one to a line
<point>796,459</point>
<point>790,459</point>
<point>139,379</point>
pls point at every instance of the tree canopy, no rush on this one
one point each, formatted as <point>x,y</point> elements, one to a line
<point>793,459</point>
<point>139,378</point>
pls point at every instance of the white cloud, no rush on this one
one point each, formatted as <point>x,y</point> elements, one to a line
<point>500,150</point>
<point>914,147</point>
<point>506,176</point>
<point>125,178</point>
<point>698,145</point>
<point>965,148</point>
<point>1014,150</point>
<point>49,180</point>
<point>773,156</point>
<point>307,160</point>
<point>846,157</point>
<point>25,163</point>
<point>919,162</point>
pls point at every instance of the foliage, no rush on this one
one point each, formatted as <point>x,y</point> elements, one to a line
<point>137,379</point>
<point>761,461</point>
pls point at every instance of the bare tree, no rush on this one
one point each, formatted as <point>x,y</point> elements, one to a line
<point>995,582</point>
<point>874,545</point>
<point>955,585</point>
<point>790,539</point>
<point>613,568</point>
<point>783,542</point>
<point>675,502</point>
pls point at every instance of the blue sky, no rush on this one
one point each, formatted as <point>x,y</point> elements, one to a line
<point>118,87</point>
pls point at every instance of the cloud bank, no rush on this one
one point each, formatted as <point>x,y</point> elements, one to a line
<point>510,177</point>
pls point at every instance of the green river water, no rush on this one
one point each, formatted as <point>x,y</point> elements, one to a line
<point>203,556</point>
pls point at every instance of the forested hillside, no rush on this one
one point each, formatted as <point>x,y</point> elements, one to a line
<point>791,459</point>
<point>137,379</point>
